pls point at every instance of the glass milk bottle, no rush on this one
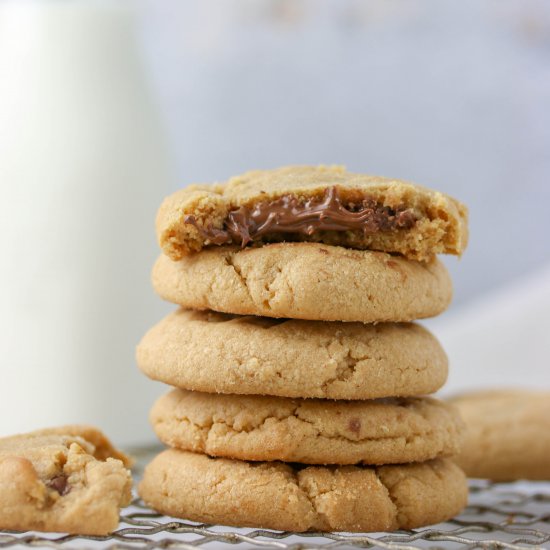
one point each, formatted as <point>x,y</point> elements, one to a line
<point>83,168</point>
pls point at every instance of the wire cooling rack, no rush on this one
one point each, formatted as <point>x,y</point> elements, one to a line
<point>499,516</point>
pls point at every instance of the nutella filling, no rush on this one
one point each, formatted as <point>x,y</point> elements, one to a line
<point>289,214</point>
<point>60,484</point>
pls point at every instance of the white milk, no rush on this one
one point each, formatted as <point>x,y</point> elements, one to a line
<point>83,169</point>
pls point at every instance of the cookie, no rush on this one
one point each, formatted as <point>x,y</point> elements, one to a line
<point>57,480</point>
<point>286,497</point>
<point>306,281</point>
<point>317,204</point>
<point>310,431</point>
<point>507,434</point>
<point>220,353</point>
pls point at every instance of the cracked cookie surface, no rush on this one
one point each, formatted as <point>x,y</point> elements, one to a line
<point>306,281</point>
<point>289,497</point>
<point>507,434</point>
<point>63,479</point>
<point>291,203</point>
<point>220,353</point>
<point>310,431</point>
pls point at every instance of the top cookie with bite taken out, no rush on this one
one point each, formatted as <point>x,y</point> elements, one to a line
<point>316,204</point>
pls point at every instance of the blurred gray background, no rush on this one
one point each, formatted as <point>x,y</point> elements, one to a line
<point>454,95</point>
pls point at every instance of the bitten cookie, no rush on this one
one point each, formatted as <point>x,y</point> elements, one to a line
<point>285,497</point>
<point>219,353</point>
<point>319,204</point>
<point>306,281</point>
<point>57,480</point>
<point>310,431</point>
<point>507,434</point>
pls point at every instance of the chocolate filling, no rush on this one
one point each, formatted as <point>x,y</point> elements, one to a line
<point>289,214</point>
<point>59,484</point>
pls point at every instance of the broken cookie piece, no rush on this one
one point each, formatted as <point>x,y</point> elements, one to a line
<point>68,479</point>
<point>323,204</point>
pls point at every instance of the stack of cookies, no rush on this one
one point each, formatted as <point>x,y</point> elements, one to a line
<point>300,381</point>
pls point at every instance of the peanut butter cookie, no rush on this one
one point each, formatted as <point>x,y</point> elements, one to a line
<point>288,497</point>
<point>319,204</point>
<point>507,434</point>
<point>219,353</point>
<point>310,431</point>
<point>58,480</point>
<point>306,281</point>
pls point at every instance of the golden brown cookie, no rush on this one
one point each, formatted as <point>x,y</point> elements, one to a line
<point>219,353</point>
<point>306,281</point>
<point>320,204</point>
<point>286,497</point>
<point>56,480</point>
<point>507,434</point>
<point>310,431</point>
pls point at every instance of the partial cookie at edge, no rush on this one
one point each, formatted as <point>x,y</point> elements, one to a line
<point>507,434</point>
<point>220,353</point>
<point>279,496</point>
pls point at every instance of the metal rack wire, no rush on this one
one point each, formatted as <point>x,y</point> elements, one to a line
<point>500,516</point>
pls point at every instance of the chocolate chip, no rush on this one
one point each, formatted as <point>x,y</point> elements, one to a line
<point>59,484</point>
<point>354,425</point>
